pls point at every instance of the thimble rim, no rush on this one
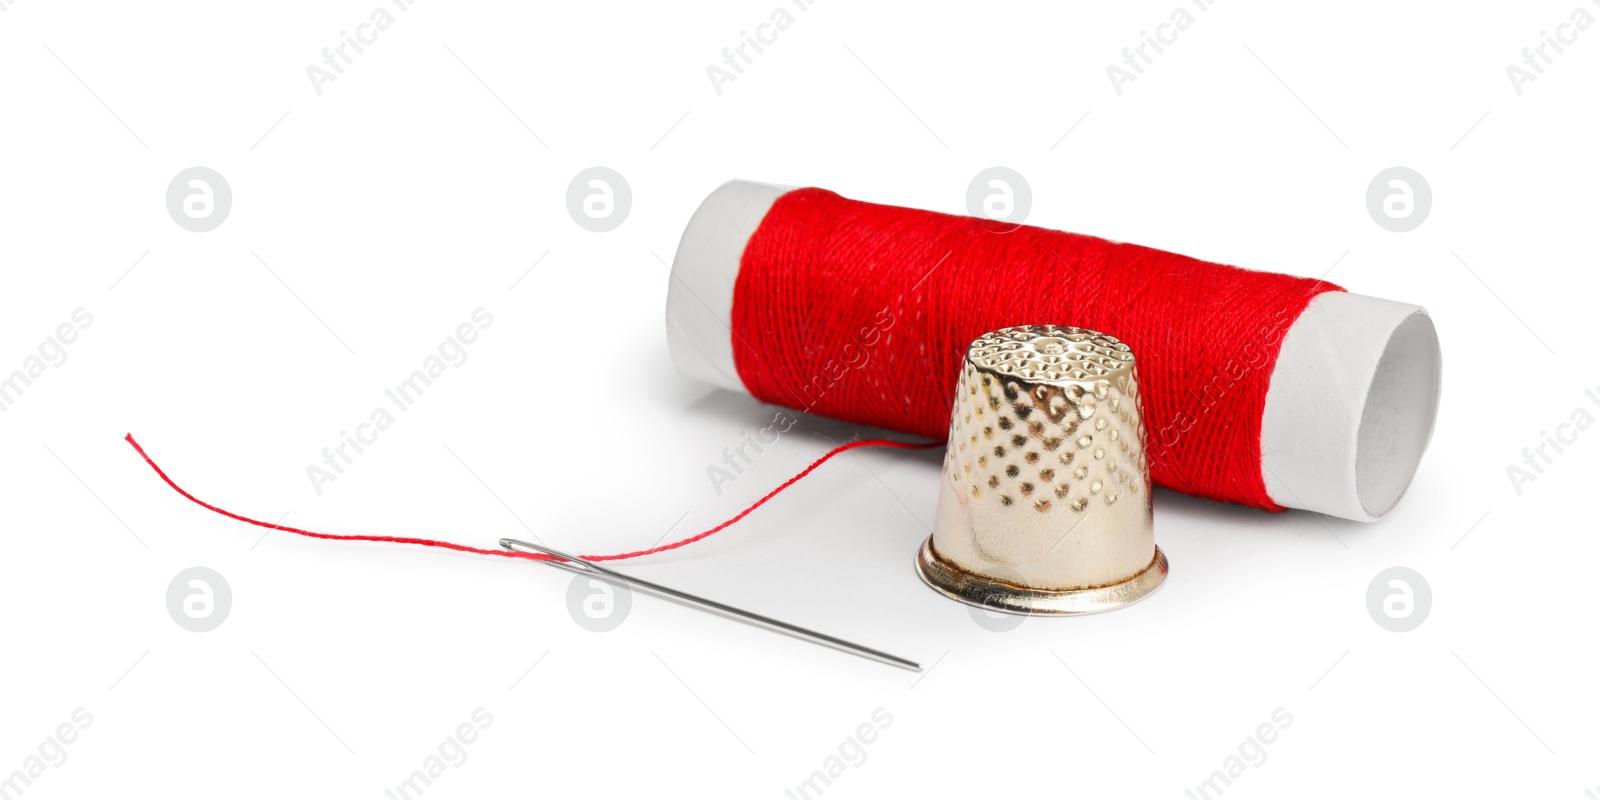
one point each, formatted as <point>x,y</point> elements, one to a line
<point>983,591</point>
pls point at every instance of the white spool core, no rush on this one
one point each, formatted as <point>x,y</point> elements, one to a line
<point>700,299</point>
<point>1351,406</point>
<point>1349,410</point>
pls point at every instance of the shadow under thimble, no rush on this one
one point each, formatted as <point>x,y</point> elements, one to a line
<point>1044,497</point>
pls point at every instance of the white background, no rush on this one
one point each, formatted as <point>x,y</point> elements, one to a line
<point>415,189</point>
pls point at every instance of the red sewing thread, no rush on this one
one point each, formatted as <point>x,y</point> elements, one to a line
<point>518,554</point>
<point>863,312</point>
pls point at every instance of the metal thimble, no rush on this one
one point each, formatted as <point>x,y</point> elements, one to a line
<point>1044,497</point>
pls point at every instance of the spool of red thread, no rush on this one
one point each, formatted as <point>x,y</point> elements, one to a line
<point>1264,389</point>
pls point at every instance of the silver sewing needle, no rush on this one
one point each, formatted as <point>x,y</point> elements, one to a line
<point>573,563</point>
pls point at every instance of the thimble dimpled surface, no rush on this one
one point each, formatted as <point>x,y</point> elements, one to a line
<point>1045,481</point>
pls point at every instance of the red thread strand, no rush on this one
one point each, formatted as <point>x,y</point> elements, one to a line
<point>518,554</point>
<point>863,312</point>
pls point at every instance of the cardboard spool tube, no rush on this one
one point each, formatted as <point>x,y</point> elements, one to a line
<point>1349,410</point>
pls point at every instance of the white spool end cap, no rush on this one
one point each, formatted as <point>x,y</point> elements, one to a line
<point>700,299</point>
<point>1351,406</point>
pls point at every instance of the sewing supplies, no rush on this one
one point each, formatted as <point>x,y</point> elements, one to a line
<point>1085,371</point>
